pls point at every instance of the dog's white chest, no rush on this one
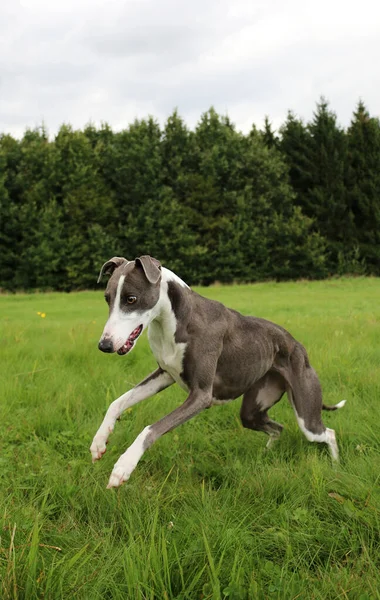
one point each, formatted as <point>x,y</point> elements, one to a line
<point>168,353</point>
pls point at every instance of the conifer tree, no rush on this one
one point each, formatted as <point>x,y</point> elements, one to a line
<point>9,259</point>
<point>294,145</point>
<point>316,155</point>
<point>363,185</point>
<point>11,234</point>
<point>269,137</point>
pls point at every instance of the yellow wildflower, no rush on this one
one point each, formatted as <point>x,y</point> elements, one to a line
<point>39,312</point>
<point>43,315</point>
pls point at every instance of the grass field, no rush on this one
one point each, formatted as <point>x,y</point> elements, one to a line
<point>208,513</point>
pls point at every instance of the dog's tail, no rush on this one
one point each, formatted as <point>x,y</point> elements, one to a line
<point>334,406</point>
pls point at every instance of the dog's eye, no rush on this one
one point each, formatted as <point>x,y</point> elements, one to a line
<point>131,299</point>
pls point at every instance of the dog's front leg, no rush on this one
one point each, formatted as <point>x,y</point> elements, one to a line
<point>194,404</point>
<point>154,383</point>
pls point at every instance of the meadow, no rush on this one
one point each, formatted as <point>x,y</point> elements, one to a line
<point>209,513</point>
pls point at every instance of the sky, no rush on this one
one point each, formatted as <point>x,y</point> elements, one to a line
<point>81,61</point>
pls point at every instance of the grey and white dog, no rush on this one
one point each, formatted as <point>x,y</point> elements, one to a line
<point>214,353</point>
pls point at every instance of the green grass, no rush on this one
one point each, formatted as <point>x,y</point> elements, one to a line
<point>208,513</point>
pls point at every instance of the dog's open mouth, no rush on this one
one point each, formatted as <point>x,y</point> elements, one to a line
<point>130,341</point>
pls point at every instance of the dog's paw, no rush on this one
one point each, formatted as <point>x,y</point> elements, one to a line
<point>121,472</point>
<point>98,448</point>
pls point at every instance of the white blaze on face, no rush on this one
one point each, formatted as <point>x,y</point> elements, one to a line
<point>120,324</point>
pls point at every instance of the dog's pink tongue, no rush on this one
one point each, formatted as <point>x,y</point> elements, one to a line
<point>130,341</point>
<point>135,332</point>
<point>126,348</point>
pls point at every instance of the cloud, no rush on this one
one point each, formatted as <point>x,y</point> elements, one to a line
<point>76,61</point>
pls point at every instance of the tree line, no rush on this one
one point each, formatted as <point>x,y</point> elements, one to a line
<point>211,203</point>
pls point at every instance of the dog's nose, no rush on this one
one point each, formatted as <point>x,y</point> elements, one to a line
<point>105,345</point>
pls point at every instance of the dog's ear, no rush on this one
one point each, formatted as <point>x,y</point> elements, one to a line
<point>151,267</point>
<point>109,266</point>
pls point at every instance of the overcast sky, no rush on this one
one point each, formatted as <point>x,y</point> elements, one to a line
<point>77,61</point>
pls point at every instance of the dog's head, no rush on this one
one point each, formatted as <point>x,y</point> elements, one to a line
<point>132,293</point>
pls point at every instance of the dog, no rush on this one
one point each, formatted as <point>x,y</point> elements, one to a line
<point>213,352</point>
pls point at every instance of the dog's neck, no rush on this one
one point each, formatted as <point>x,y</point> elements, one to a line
<point>163,311</point>
<point>168,275</point>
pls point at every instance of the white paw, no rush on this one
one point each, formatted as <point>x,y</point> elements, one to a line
<point>98,447</point>
<point>121,472</point>
<point>128,461</point>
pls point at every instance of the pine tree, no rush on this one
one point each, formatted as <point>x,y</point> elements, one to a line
<point>278,239</point>
<point>269,137</point>
<point>363,184</point>
<point>177,151</point>
<point>212,186</point>
<point>316,155</point>
<point>9,259</point>
<point>10,232</point>
<point>88,209</point>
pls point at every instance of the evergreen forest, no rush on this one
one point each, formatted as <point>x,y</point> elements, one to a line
<point>212,203</point>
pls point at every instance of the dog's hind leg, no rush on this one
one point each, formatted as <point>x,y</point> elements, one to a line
<point>305,394</point>
<point>258,400</point>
